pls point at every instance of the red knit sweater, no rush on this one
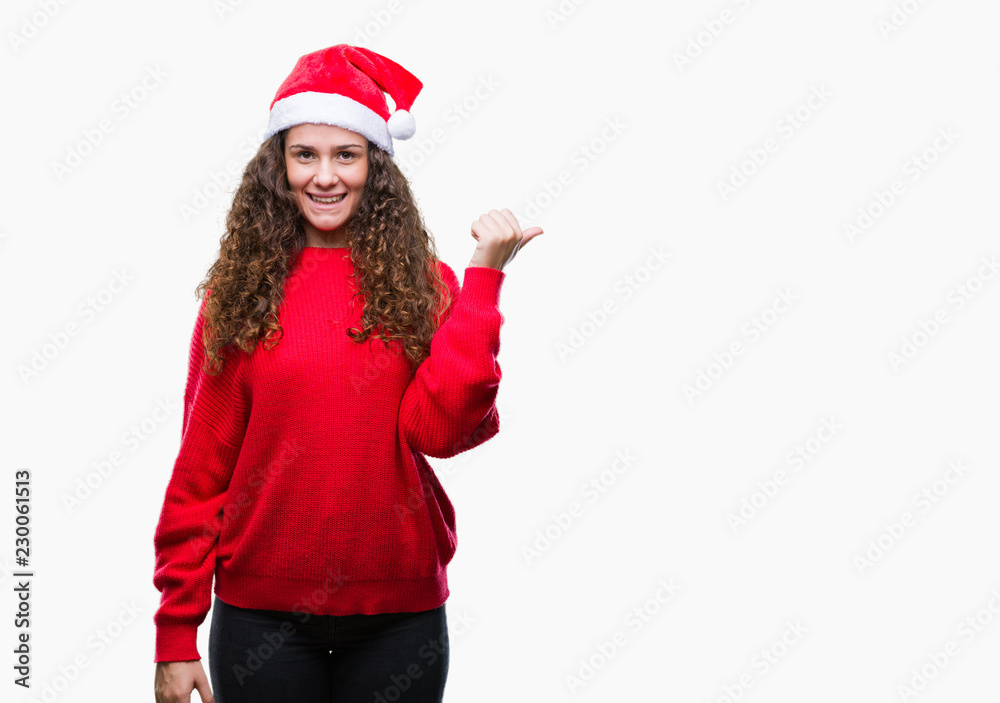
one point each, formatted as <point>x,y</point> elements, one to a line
<point>301,482</point>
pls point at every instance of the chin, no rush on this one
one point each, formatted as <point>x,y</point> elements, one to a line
<point>325,225</point>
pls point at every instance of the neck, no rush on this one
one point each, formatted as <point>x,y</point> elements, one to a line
<point>331,239</point>
<point>328,242</point>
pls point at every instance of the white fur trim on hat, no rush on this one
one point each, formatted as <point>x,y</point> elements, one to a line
<point>332,109</point>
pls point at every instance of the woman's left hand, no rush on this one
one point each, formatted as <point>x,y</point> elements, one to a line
<point>498,239</point>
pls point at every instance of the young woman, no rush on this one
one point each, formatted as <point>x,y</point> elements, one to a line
<point>332,352</point>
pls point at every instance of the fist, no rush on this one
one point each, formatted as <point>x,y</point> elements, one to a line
<point>498,239</point>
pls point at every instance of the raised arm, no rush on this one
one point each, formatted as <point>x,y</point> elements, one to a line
<point>449,405</point>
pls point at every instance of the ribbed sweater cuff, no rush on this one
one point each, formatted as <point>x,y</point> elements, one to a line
<point>482,285</point>
<point>176,643</point>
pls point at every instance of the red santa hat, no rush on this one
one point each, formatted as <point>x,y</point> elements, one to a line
<point>343,85</point>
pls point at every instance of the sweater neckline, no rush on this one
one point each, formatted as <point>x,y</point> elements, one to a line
<point>325,253</point>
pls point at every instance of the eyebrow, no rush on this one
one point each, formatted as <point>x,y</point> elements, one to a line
<point>304,146</point>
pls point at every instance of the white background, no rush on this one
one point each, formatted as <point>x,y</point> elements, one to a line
<point>579,385</point>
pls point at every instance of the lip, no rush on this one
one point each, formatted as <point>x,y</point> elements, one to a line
<point>327,206</point>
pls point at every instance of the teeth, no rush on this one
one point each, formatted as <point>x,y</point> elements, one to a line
<point>325,201</point>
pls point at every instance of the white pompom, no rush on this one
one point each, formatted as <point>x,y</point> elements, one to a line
<point>401,125</point>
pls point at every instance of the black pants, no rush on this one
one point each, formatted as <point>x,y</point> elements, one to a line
<point>258,656</point>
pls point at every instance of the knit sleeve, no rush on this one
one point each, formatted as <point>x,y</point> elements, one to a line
<point>450,404</point>
<point>213,424</point>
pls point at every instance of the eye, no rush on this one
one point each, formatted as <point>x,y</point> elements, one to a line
<point>349,153</point>
<point>303,152</point>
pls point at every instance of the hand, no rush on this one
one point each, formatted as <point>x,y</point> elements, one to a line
<point>499,238</point>
<point>175,680</point>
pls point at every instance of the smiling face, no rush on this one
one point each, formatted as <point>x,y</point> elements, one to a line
<point>326,168</point>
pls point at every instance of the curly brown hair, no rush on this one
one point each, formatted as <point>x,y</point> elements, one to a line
<point>394,258</point>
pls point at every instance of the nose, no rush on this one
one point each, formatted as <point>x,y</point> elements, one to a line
<point>326,174</point>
